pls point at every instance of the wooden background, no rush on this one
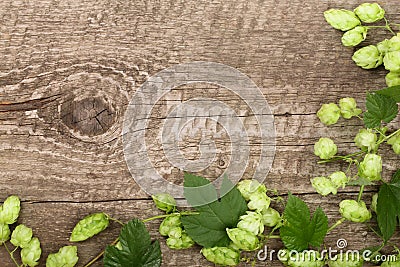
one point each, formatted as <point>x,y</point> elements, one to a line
<point>68,69</point>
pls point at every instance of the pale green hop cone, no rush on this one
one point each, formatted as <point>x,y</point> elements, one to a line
<point>271,217</point>
<point>221,255</point>
<point>252,222</point>
<point>165,202</point>
<point>354,211</point>
<point>339,179</point>
<point>392,78</point>
<point>21,236</point>
<point>348,107</point>
<point>329,114</point>
<point>66,257</point>
<point>368,57</point>
<point>10,209</point>
<point>259,201</point>
<point>369,12</point>
<point>371,167</point>
<point>341,19</point>
<point>392,61</point>
<point>30,254</point>
<point>169,223</point>
<point>4,233</point>
<point>249,187</point>
<point>243,239</point>
<point>323,186</point>
<point>394,141</point>
<point>89,226</point>
<point>354,36</point>
<point>366,140</point>
<point>325,148</point>
<point>182,242</point>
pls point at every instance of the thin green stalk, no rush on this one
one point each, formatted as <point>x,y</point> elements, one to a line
<point>339,222</point>
<point>388,137</point>
<point>388,26</point>
<point>11,255</point>
<point>360,193</point>
<point>115,220</point>
<point>344,158</point>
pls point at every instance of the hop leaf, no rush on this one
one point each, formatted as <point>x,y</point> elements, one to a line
<point>66,257</point>
<point>21,236</point>
<point>89,226</point>
<point>9,212</point>
<point>341,19</point>
<point>379,108</point>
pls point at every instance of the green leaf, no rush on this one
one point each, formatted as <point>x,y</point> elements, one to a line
<point>379,108</point>
<point>137,250</point>
<point>388,206</point>
<point>208,227</point>
<point>393,92</point>
<point>299,230</point>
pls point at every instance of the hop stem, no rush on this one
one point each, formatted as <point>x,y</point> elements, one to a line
<point>339,222</point>
<point>11,253</point>
<point>100,254</point>
<point>360,193</point>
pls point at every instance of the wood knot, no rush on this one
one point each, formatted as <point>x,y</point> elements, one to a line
<point>89,116</point>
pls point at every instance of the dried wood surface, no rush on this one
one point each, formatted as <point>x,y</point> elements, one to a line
<point>69,69</point>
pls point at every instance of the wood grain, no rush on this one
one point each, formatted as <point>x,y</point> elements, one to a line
<point>69,69</point>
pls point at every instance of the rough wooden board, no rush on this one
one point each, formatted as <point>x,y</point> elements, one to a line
<point>54,230</point>
<point>85,59</point>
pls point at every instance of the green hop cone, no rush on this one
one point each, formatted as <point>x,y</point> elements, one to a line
<point>30,254</point>
<point>325,148</point>
<point>243,239</point>
<point>394,141</point>
<point>89,226</point>
<point>329,114</point>
<point>307,258</point>
<point>175,232</point>
<point>271,217</point>
<point>354,211</point>
<point>368,57</point>
<point>165,202</point>
<point>374,202</point>
<point>249,187</point>
<point>221,256</point>
<point>252,222</point>
<point>21,236</point>
<point>366,140</point>
<point>9,212</point>
<point>183,242</point>
<point>259,201</point>
<point>369,12</point>
<point>169,223</point>
<point>66,257</point>
<point>371,167</point>
<point>354,36</point>
<point>394,43</point>
<point>341,19</point>
<point>346,261</point>
<point>383,46</point>
<point>4,233</point>
<point>392,61</point>
<point>339,179</point>
<point>348,107</point>
<point>392,78</point>
<point>323,186</point>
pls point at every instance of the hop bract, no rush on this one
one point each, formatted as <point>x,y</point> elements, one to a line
<point>395,142</point>
<point>221,255</point>
<point>4,233</point>
<point>366,140</point>
<point>165,202</point>
<point>259,201</point>
<point>393,78</point>
<point>323,186</point>
<point>369,12</point>
<point>249,187</point>
<point>252,222</point>
<point>354,211</point>
<point>341,19</point>
<point>67,257</point>
<point>325,148</point>
<point>339,179</point>
<point>169,223</point>
<point>30,254</point>
<point>21,236</point>
<point>271,217</point>
<point>368,57</point>
<point>348,107</point>
<point>243,239</point>
<point>371,167</point>
<point>9,212</point>
<point>354,36</point>
<point>329,114</point>
<point>346,261</point>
